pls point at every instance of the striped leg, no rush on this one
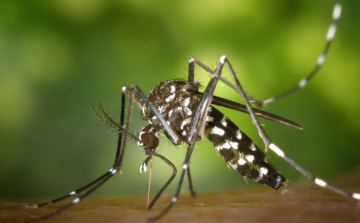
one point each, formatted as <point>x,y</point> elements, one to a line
<point>198,128</point>
<point>151,204</point>
<point>94,185</point>
<point>278,151</point>
<point>320,61</point>
<point>316,180</point>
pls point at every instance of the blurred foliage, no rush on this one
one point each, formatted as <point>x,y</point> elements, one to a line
<point>58,57</point>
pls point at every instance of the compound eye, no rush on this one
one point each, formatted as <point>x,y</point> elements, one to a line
<point>149,140</point>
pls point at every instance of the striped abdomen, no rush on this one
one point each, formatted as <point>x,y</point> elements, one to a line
<point>239,151</point>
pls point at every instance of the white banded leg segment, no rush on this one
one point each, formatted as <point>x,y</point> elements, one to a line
<point>302,83</point>
<point>222,59</point>
<point>277,150</point>
<point>331,32</point>
<point>269,101</point>
<point>319,182</point>
<point>337,12</point>
<point>112,170</point>
<point>356,196</point>
<point>332,29</point>
<point>76,200</point>
<point>25,205</point>
<point>321,59</point>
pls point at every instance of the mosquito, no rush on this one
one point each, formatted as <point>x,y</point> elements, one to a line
<point>184,115</point>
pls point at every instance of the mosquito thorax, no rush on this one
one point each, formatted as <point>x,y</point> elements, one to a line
<point>176,102</point>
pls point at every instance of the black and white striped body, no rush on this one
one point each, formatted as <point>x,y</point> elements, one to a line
<point>176,102</point>
<point>239,151</point>
<point>184,115</point>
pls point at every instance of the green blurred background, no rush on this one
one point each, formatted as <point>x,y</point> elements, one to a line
<point>58,57</point>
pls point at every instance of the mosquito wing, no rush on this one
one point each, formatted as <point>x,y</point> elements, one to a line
<point>260,113</point>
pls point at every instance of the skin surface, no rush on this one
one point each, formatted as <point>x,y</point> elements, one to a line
<point>295,203</point>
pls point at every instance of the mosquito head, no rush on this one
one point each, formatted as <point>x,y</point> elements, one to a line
<point>149,139</point>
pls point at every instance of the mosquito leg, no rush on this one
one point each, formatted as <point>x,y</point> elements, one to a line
<point>199,117</point>
<point>278,151</point>
<point>167,182</point>
<point>193,194</point>
<point>320,61</point>
<point>197,129</point>
<point>75,201</point>
<point>317,181</point>
<point>263,135</point>
<point>122,117</point>
<point>78,191</point>
<point>174,199</point>
<point>93,182</point>
<point>238,88</point>
<point>121,152</point>
<point>191,70</point>
<point>96,183</point>
<point>241,91</point>
<point>173,136</point>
